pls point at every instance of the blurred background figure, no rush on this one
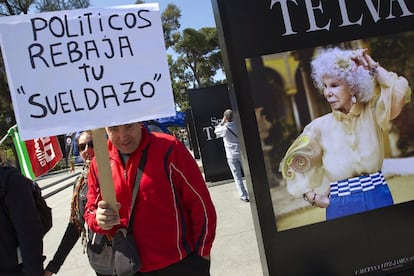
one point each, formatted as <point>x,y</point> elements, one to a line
<point>228,130</point>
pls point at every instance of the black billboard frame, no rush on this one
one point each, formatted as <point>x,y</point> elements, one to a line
<point>248,29</point>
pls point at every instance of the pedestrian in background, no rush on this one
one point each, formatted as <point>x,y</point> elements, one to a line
<point>71,165</point>
<point>228,130</point>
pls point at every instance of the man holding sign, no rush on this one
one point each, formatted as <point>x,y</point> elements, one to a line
<point>175,220</point>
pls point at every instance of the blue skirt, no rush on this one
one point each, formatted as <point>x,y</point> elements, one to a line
<point>358,194</point>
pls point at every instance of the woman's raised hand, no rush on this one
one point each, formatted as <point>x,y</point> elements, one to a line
<point>361,58</point>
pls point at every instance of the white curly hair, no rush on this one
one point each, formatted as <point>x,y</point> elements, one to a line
<point>337,63</point>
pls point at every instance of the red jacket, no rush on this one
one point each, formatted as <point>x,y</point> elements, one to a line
<point>174,214</point>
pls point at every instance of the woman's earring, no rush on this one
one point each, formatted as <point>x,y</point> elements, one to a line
<point>353,99</point>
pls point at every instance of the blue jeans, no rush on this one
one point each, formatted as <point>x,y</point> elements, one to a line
<point>236,170</point>
<point>340,206</point>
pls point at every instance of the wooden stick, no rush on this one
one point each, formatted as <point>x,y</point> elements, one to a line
<point>104,167</point>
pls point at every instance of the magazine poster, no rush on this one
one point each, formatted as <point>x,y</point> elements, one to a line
<point>317,164</point>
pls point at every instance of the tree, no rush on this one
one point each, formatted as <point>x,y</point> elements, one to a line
<point>199,56</point>
<point>16,7</point>
<point>170,23</point>
<point>56,5</point>
<point>179,83</point>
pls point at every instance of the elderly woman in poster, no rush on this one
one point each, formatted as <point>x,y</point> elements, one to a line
<point>336,162</point>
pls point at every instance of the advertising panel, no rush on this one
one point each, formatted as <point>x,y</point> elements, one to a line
<point>323,92</point>
<point>207,107</point>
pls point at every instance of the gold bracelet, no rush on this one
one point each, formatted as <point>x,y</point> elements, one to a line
<point>313,198</point>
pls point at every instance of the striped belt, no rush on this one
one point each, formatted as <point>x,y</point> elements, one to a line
<point>357,184</point>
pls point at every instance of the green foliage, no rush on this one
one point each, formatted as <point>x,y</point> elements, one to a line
<point>55,5</point>
<point>6,116</point>
<point>171,25</point>
<point>15,7</point>
<point>197,59</point>
<point>199,55</point>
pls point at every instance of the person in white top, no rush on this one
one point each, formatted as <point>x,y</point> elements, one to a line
<point>227,129</point>
<point>335,163</point>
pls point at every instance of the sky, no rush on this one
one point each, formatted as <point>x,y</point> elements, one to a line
<point>195,14</point>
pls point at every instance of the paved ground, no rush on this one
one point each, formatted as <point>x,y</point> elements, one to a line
<point>234,252</point>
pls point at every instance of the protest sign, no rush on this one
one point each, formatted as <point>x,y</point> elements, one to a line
<point>86,69</point>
